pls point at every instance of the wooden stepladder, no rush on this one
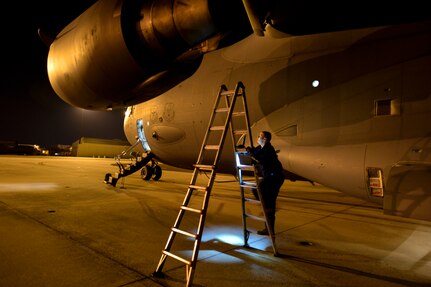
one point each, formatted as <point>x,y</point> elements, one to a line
<point>225,115</point>
<point>207,162</point>
<point>249,177</point>
<point>248,172</point>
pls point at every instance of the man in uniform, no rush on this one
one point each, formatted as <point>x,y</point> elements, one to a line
<point>265,155</point>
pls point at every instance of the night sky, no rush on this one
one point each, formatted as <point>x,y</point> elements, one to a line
<point>31,111</point>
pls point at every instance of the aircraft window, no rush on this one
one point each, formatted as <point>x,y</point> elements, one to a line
<point>387,107</point>
<point>290,131</point>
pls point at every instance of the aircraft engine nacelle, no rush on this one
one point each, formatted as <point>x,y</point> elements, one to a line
<point>122,52</point>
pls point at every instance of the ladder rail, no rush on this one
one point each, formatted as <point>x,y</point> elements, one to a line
<point>210,123</point>
<point>217,130</point>
<point>252,168</point>
<point>221,131</point>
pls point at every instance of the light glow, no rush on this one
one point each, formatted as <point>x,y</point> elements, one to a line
<point>31,186</point>
<point>213,256</point>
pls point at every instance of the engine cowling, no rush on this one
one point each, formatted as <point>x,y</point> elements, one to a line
<point>122,52</point>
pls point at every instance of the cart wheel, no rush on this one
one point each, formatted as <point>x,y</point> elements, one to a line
<point>146,172</point>
<point>157,172</point>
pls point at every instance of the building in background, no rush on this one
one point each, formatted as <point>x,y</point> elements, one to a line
<point>13,147</point>
<point>95,147</point>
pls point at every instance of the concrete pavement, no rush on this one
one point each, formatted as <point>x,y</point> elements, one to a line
<point>60,225</point>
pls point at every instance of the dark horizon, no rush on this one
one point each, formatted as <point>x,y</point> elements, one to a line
<point>32,112</point>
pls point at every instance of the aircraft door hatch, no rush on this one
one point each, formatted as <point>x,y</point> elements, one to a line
<point>141,135</point>
<point>375,181</point>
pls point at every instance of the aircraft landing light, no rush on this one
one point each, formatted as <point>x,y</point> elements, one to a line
<point>315,83</point>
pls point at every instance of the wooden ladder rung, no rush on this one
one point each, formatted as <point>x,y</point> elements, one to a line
<point>237,114</point>
<point>228,93</point>
<point>217,128</point>
<point>184,232</point>
<point>245,167</point>
<point>212,147</point>
<point>240,132</point>
<point>222,110</point>
<point>197,187</point>
<point>248,184</point>
<point>204,167</point>
<point>252,200</point>
<point>177,257</point>
<point>191,209</point>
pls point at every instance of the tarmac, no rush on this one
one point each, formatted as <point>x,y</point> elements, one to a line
<point>61,225</point>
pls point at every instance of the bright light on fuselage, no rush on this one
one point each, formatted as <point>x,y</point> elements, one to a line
<point>128,112</point>
<point>315,83</point>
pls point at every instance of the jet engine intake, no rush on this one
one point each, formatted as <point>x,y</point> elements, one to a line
<point>122,52</point>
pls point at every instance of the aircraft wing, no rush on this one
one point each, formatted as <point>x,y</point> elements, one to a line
<point>119,53</point>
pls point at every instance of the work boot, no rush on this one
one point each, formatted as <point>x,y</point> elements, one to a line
<point>255,193</point>
<point>263,231</point>
<point>271,221</point>
<point>270,215</point>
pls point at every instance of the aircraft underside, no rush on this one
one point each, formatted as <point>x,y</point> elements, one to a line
<point>353,132</point>
<point>348,105</point>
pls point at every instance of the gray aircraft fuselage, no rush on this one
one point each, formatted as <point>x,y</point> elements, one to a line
<point>347,98</point>
<point>370,111</point>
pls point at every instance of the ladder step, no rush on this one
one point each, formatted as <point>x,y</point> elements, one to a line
<point>240,132</point>
<point>212,147</point>
<point>252,200</point>
<point>245,167</point>
<point>191,209</point>
<point>251,216</point>
<point>225,110</point>
<point>197,187</point>
<point>240,149</point>
<point>228,93</point>
<point>231,93</point>
<point>217,128</point>
<point>238,114</point>
<point>204,167</point>
<point>184,232</point>
<point>177,257</point>
<point>222,110</point>
<point>248,184</point>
